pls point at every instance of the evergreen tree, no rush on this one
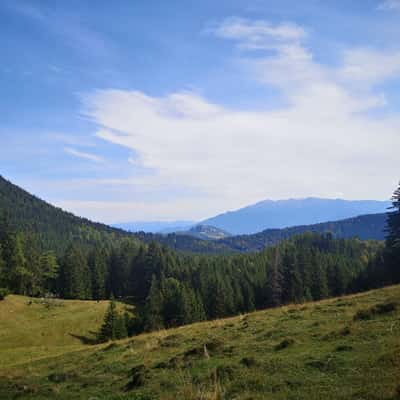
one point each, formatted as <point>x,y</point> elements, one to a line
<point>154,307</point>
<point>121,329</point>
<point>75,274</point>
<point>20,275</point>
<point>98,270</point>
<point>49,269</point>
<point>275,280</point>
<point>3,279</point>
<point>109,329</point>
<point>393,239</point>
<point>319,282</point>
<point>173,309</point>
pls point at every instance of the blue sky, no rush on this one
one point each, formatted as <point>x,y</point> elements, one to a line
<point>155,110</point>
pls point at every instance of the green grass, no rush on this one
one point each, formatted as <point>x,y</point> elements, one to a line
<point>312,351</point>
<point>32,329</point>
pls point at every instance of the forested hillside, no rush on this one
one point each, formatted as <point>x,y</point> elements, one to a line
<point>53,228</point>
<point>171,288</point>
<point>364,227</point>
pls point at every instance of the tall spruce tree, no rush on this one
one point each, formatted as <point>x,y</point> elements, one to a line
<point>393,238</point>
<point>75,275</point>
<point>49,269</point>
<point>275,280</point>
<point>108,330</point>
<point>98,270</point>
<point>154,307</point>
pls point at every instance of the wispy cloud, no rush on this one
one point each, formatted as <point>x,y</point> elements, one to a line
<point>258,34</point>
<point>84,155</point>
<point>327,136</point>
<point>389,5</point>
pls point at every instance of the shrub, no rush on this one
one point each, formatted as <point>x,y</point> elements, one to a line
<point>138,375</point>
<point>248,361</point>
<point>344,347</point>
<point>284,344</point>
<point>3,293</point>
<point>379,309</point>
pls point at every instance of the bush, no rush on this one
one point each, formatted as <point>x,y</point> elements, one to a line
<point>379,309</point>
<point>248,361</point>
<point>3,293</point>
<point>284,344</point>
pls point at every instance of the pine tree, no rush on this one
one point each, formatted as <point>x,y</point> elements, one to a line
<point>8,243</point>
<point>49,269</point>
<point>319,282</point>
<point>20,275</point>
<point>393,239</point>
<point>121,329</point>
<point>75,275</point>
<point>98,270</point>
<point>173,309</point>
<point>109,329</point>
<point>154,307</point>
<point>3,279</point>
<point>275,280</point>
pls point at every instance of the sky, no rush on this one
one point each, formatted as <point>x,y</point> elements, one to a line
<point>162,110</point>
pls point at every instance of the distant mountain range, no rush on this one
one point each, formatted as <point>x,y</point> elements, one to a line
<point>271,214</point>
<point>268,214</point>
<point>365,227</point>
<point>57,228</point>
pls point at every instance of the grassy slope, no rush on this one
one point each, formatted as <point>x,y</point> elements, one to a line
<point>310,351</point>
<point>28,332</point>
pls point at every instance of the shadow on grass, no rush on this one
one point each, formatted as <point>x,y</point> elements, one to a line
<point>86,339</point>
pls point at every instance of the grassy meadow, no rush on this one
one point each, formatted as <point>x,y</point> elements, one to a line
<point>343,348</point>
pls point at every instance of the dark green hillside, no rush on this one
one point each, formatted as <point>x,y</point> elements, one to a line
<point>364,227</point>
<point>54,227</point>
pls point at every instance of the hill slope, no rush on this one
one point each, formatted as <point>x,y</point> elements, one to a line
<point>365,227</point>
<point>270,214</point>
<point>56,228</point>
<point>33,328</point>
<point>206,232</point>
<point>311,351</point>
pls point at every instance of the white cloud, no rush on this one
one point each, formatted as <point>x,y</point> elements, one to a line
<point>389,5</point>
<point>370,66</point>
<point>84,155</point>
<point>324,140</point>
<point>258,34</point>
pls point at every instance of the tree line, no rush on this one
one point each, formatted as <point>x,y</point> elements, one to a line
<point>171,289</point>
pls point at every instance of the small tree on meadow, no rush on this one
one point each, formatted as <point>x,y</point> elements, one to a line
<point>114,325</point>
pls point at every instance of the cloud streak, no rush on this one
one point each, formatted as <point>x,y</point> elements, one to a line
<point>83,155</point>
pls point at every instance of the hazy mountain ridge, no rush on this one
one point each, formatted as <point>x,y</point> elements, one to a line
<point>280,214</point>
<point>206,232</point>
<point>57,228</point>
<point>365,227</point>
